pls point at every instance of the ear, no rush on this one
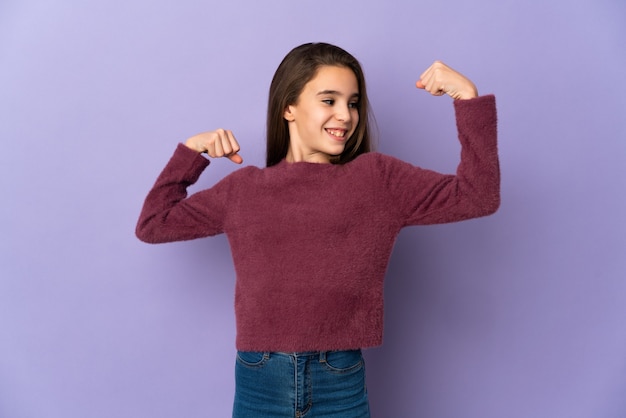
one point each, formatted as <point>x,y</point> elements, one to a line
<point>288,114</point>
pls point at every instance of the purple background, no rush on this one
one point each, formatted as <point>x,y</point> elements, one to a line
<point>521,314</point>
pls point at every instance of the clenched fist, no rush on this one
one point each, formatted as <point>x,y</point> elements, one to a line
<point>439,79</point>
<point>218,143</point>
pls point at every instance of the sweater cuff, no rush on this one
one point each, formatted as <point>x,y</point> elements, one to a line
<point>476,114</point>
<point>194,158</point>
<point>477,104</point>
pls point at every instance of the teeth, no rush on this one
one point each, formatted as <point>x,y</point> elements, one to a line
<point>336,132</point>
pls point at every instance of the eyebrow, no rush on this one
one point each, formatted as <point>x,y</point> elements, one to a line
<point>336,93</point>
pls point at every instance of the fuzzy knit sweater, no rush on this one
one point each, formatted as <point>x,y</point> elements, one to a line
<point>311,242</point>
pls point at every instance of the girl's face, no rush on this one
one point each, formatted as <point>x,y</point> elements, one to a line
<point>324,117</point>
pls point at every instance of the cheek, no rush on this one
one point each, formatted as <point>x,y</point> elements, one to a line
<point>355,121</point>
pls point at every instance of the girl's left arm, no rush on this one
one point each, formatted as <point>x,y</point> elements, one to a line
<point>475,190</point>
<point>420,196</point>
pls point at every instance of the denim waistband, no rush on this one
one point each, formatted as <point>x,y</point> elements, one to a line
<point>311,354</point>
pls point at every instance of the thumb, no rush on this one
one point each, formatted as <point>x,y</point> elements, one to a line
<point>419,84</point>
<point>236,158</point>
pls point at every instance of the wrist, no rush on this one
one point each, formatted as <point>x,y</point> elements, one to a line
<point>470,93</point>
<point>191,144</point>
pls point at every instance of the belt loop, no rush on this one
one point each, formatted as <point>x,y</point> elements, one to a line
<point>266,355</point>
<point>323,356</point>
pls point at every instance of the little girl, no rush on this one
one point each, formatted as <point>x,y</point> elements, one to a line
<point>311,234</point>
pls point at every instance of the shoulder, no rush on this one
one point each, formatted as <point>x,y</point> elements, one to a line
<point>369,158</point>
<point>240,178</point>
<point>378,170</point>
<point>377,161</point>
<point>247,171</point>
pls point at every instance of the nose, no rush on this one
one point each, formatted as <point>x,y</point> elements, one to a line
<point>343,113</point>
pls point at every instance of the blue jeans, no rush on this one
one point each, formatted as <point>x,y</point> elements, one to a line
<point>292,385</point>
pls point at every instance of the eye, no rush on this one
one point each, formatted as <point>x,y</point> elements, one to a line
<point>353,105</point>
<point>329,102</point>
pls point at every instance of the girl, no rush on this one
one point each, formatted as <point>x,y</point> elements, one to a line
<point>311,234</point>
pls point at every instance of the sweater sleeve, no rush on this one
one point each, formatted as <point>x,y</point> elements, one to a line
<point>169,215</point>
<point>422,196</point>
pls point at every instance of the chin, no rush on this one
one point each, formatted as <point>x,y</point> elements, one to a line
<point>336,151</point>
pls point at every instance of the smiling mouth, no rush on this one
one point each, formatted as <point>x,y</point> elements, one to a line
<point>337,133</point>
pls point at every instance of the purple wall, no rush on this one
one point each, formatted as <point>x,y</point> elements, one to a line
<point>517,315</point>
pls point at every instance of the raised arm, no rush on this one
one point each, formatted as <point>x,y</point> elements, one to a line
<point>168,214</point>
<point>426,197</point>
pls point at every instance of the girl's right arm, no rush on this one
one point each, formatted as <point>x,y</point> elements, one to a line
<point>168,214</point>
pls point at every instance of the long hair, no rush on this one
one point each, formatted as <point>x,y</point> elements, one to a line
<point>298,67</point>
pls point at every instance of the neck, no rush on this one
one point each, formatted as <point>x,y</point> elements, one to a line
<point>299,157</point>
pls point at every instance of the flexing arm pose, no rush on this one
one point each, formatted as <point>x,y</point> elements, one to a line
<point>311,233</point>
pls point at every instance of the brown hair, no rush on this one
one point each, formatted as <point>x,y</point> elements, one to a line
<point>298,67</point>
